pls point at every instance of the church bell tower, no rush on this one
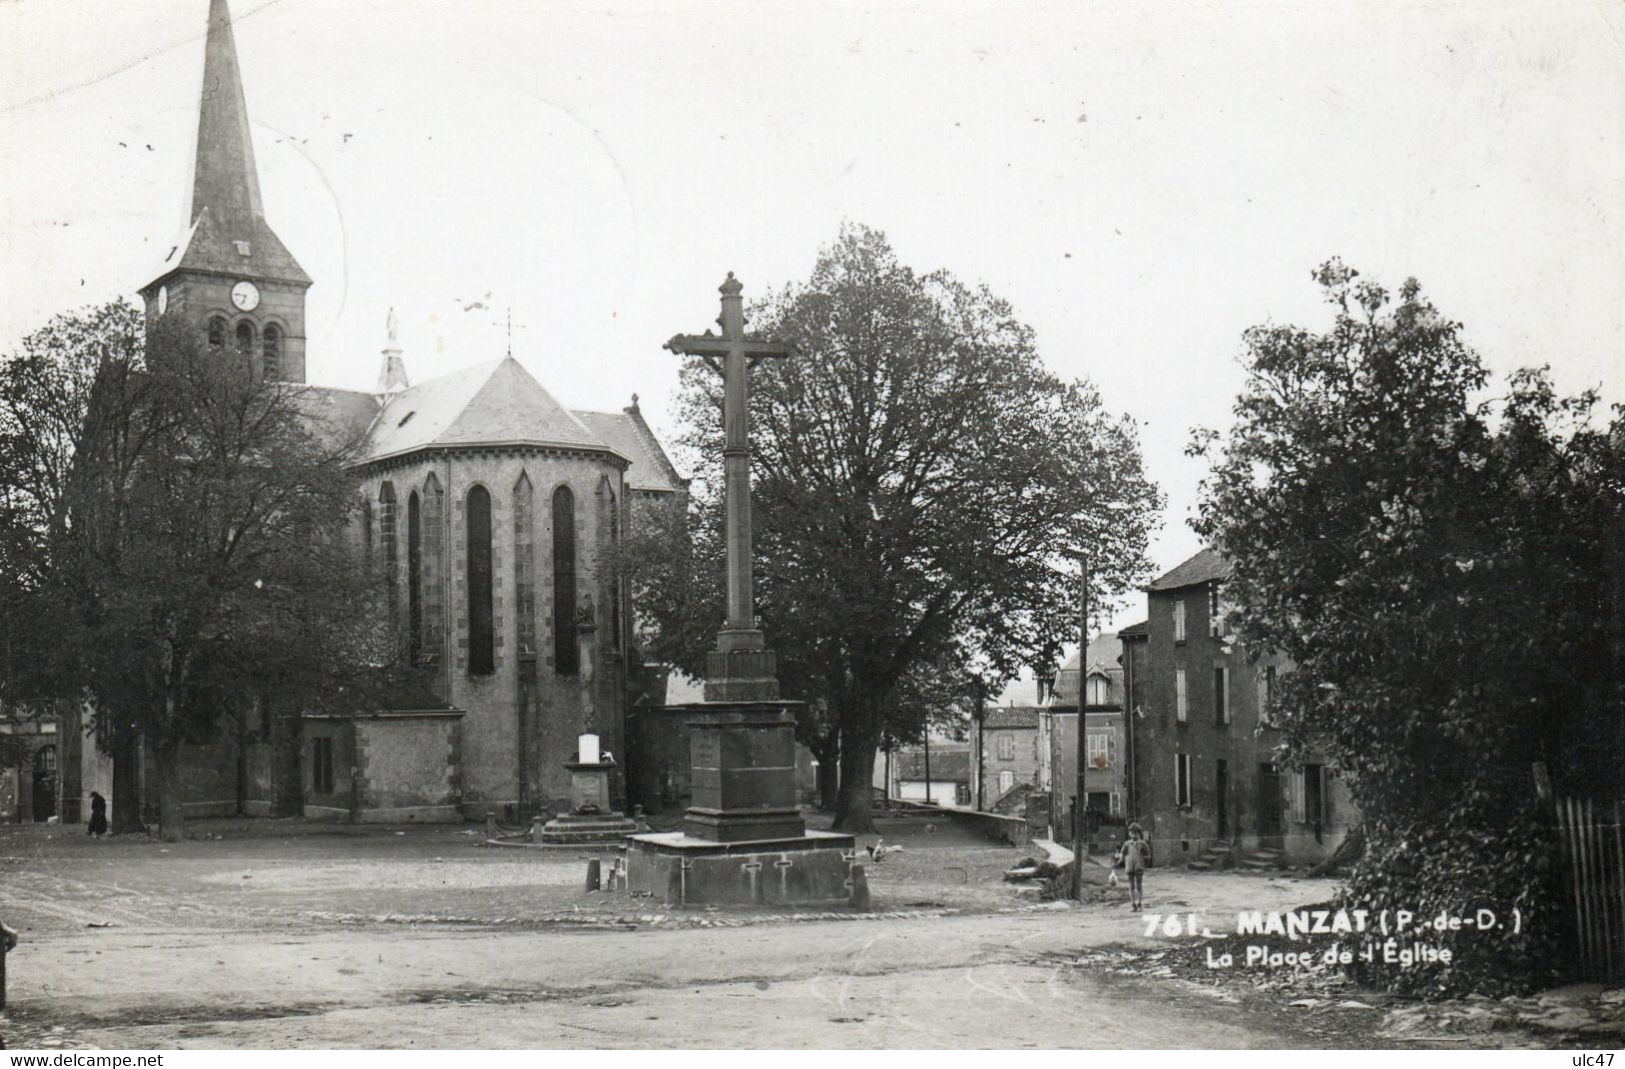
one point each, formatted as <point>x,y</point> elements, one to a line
<point>230,275</point>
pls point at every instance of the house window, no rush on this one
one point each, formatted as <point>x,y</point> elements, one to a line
<point>1117,803</point>
<point>1182,780</point>
<point>272,349</point>
<point>1221,695</point>
<point>481,626</point>
<point>1266,690</point>
<point>217,333</point>
<point>566,654</point>
<point>1099,690</point>
<point>1181,709</point>
<point>321,765</point>
<point>1007,748</point>
<point>1308,788</point>
<point>1098,745</point>
<point>1179,620</point>
<point>1007,780</point>
<point>1215,615</point>
<point>245,338</point>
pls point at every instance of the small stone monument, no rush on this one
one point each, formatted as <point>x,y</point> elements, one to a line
<point>590,821</point>
<point>743,839</point>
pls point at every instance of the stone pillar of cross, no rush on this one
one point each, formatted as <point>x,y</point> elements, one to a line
<point>741,668</point>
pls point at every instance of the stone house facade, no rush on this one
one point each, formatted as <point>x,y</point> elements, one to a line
<point>1204,755</point>
<point>1005,752</point>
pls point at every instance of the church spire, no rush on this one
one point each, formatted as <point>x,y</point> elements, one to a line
<point>228,233</point>
<point>392,376</point>
<point>224,179</point>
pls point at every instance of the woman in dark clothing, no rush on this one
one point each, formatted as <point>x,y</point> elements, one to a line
<point>98,815</point>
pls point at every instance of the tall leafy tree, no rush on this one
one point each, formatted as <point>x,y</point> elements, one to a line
<point>1433,561</point>
<point>72,403</point>
<point>234,581</point>
<point>176,536</point>
<point>922,484</point>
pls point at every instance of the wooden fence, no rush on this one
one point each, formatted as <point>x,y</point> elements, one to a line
<point>1594,856</point>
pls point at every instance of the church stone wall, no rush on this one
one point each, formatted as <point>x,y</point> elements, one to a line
<point>509,759</point>
<point>407,768</point>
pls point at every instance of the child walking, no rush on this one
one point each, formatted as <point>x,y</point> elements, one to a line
<point>1136,854</point>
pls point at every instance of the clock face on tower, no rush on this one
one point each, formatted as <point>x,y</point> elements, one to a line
<point>246,296</point>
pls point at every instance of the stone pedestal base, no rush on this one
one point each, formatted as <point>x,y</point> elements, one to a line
<point>814,868</point>
<point>743,773</point>
<point>592,821</point>
<point>584,829</point>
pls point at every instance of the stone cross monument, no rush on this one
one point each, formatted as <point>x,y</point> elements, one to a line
<point>743,839</point>
<point>741,668</point>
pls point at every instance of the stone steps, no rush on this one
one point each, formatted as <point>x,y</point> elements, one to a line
<point>1264,859</point>
<point>1214,857</point>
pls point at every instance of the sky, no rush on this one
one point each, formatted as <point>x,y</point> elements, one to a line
<point>1142,181</point>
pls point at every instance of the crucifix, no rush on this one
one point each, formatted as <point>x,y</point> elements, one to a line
<point>733,354</point>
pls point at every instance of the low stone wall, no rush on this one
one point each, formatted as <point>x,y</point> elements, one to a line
<point>995,826</point>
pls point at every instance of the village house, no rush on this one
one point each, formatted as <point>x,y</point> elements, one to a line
<point>1005,756</point>
<point>1106,767</point>
<point>949,781</point>
<point>1208,785</point>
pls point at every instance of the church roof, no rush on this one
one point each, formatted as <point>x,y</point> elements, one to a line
<point>337,416</point>
<point>496,403</point>
<point>628,434</point>
<point>227,230</point>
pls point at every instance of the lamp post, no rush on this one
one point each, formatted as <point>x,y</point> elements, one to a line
<point>1080,809</point>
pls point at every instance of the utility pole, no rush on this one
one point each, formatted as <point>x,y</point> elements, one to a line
<point>928,800</point>
<point>1080,810</point>
<point>981,713</point>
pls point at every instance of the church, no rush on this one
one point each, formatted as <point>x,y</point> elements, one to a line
<point>489,506</point>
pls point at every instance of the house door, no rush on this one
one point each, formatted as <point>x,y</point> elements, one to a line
<point>44,783</point>
<point>1314,798</point>
<point>1270,835</point>
<point>1221,795</point>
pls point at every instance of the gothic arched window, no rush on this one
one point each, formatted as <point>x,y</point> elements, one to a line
<point>414,578</point>
<point>524,569</point>
<point>217,333</point>
<point>366,531</point>
<point>481,627</point>
<point>386,536</point>
<point>245,338</point>
<point>273,352</point>
<point>615,574</point>
<point>434,510</point>
<point>566,654</point>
